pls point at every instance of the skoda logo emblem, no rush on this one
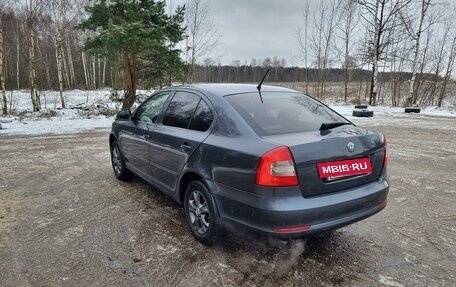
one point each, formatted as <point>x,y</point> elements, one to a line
<point>350,146</point>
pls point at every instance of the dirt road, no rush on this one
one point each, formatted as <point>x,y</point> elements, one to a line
<point>66,221</point>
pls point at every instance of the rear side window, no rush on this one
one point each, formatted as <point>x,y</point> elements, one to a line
<point>180,110</point>
<point>282,112</point>
<point>202,119</point>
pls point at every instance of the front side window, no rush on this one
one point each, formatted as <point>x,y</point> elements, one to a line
<point>151,109</point>
<point>181,109</point>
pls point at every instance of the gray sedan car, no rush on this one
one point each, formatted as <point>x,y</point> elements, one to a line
<point>275,161</point>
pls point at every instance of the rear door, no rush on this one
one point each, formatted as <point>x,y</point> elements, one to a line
<point>184,126</point>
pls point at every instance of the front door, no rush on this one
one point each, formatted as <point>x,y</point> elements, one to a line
<point>136,142</point>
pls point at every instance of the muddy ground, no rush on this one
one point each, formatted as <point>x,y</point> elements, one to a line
<point>66,221</point>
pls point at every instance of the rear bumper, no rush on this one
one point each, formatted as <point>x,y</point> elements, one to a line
<point>291,216</point>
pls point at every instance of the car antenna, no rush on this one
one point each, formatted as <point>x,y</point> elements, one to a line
<point>259,85</point>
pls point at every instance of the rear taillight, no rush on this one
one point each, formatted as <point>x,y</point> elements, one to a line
<point>385,156</point>
<point>276,168</point>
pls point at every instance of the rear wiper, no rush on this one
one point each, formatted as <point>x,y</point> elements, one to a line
<point>328,126</point>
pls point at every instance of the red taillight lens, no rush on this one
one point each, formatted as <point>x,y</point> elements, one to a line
<point>276,168</point>
<point>385,157</point>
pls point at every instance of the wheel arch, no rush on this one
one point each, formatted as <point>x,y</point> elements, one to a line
<point>112,138</point>
<point>185,180</point>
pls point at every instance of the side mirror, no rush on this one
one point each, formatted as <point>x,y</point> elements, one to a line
<point>124,115</point>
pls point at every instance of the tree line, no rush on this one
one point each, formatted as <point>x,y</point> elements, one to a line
<point>403,48</point>
<point>253,74</point>
<point>414,40</point>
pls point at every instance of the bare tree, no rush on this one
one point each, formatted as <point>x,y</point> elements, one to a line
<point>203,35</point>
<point>64,14</point>
<point>322,40</point>
<point>438,55</point>
<point>346,25</point>
<point>2,76</point>
<point>399,52</point>
<point>33,9</point>
<point>451,58</point>
<point>415,33</point>
<point>381,18</point>
<point>303,41</point>
<point>18,54</point>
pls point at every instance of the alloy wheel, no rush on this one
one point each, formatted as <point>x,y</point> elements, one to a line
<point>198,212</point>
<point>116,160</point>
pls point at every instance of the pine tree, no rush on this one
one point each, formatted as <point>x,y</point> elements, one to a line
<point>141,33</point>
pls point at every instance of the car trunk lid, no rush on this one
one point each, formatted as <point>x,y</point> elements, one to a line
<point>310,149</point>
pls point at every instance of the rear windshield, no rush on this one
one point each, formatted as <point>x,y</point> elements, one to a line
<point>282,113</point>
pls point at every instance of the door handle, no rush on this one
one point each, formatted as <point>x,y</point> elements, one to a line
<point>185,147</point>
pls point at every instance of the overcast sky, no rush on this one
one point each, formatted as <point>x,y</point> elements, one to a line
<point>255,28</point>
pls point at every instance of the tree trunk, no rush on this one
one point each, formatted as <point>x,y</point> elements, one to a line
<point>94,74</point>
<point>374,82</point>
<point>66,76</point>
<point>32,66</point>
<point>306,16</point>
<point>360,90</point>
<point>2,76</point>
<point>449,69</point>
<point>103,81</point>
<point>58,48</point>
<point>376,39</point>
<point>70,64</point>
<point>18,55</point>
<point>346,76</point>
<point>84,66</point>
<point>46,67</point>
<point>413,94</point>
<point>99,71</point>
<point>419,80</point>
<point>130,81</point>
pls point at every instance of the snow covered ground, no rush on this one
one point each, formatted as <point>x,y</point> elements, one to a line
<point>395,116</point>
<point>67,120</point>
<point>76,120</point>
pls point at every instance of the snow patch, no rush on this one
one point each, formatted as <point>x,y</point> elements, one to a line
<point>389,281</point>
<point>53,120</point>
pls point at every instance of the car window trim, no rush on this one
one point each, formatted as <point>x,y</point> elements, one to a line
<point>193,114</point>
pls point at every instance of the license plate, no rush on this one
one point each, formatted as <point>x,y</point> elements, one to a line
<point>342,168</point>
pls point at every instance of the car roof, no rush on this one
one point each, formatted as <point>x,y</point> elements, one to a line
<point>230,89</point>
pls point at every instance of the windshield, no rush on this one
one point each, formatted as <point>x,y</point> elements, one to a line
<point>282,112</point>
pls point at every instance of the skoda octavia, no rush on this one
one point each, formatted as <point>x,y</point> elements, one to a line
<point>266,159</point>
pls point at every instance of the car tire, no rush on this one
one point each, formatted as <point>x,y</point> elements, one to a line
<point>412,110</point>
<point>360,106</point>
<point>118,163</point>
<point>200,213</point>
<point>363,113</point>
